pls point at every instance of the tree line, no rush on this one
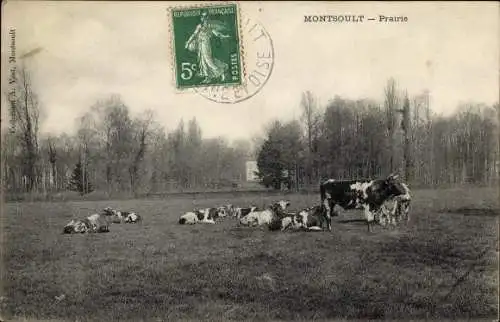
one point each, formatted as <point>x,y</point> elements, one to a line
<point>361,139</point>
<point>114,152</point>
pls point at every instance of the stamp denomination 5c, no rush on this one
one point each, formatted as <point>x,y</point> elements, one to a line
<point>206,43</point>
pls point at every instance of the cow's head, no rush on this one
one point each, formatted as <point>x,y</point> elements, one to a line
<point>222,211</point>
<point>393,187</point>
<point>108,211</point>
<point>300,219</point>
<point>381,190</point>
<point>230,210</point>
<point>278,208</point>
<point>69,228</point>
<point>283,204</point>
<point>200,214</point>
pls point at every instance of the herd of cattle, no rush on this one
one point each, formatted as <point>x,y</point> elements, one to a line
<point>99,223</point>
<point>384,201</point>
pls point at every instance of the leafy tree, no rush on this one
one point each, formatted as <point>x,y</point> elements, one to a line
<point>79,180</point>
<point>279,157</point>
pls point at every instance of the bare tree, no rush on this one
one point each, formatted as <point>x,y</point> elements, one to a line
<point>405,125</point>
<point>25,112</point>
<point>87,135</point>
<point>391,105</point>
<point>141,127</point>
<point>52,160</point>
<point>310,119</point>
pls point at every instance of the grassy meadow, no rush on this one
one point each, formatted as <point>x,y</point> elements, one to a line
<point>441,265</point>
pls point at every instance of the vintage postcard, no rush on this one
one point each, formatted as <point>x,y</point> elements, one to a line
<point>249,160</point>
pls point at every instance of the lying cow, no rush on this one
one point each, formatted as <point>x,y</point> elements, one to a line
<point>118,217</point>
<point>238,212</point>
<point>369,195</point>
<point>282,221</point>
<point>98,223</point>
<point>310,219</point>
<point>77,226</point>
<point>204,216</point>
<point>313,218</point>
<point>94,224</point>
<point>225,211</point>
<point>242,212</point>
<point>267,216</point>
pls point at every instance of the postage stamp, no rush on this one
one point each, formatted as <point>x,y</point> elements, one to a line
<point>206,45</point>
<point>259,63</point>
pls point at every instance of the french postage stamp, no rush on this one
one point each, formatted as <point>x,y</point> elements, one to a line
<point>206,45</point>
<point>259,63</point>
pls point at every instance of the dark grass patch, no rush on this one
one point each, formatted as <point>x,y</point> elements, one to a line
<point>352,221</point>
<point>430,268</point>
<point>468,211</point>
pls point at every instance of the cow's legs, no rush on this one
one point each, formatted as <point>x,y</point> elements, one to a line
<point>328,204</point>
<point>368,216</point>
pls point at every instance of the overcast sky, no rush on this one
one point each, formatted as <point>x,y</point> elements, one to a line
<point>91,50</point>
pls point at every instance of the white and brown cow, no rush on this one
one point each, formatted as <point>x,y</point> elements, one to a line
<point>203,216</point>
<point>98,223</point>
<point>309,219</point>
<point>369,195</point>
<point>242,212</point>
<point>131,217</point>
<point>113,215</point>
<point>94,223</point>
<point>77,226</point>
<point>117,216</point>
<point>189,218</point>
<point>282,221</point>
<point>225,211</point>
<point>313,218</point>
<point>395,209</point>
<point>266,216</point>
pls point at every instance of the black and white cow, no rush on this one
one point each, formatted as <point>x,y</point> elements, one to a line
<point>203,216</point>
<point>313,218</point>
<point>239,212</point>
<point>94,223</point>
<point>77,226</point>
<point>396,209</point>
<point>266,216</point>
<point>117,216</point>
<point>369,195</point>
<point>98,223</point>
<point>308,219</point>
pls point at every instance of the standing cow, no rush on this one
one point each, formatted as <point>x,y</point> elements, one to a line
<point>369,195</point>
<point>397,208</point>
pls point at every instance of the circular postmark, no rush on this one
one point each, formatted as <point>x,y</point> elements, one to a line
<point>259,62</point>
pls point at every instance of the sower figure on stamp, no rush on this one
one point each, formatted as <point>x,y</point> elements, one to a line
<point>200,41</point>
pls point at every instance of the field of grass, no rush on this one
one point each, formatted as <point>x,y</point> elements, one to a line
<point>441,265</point>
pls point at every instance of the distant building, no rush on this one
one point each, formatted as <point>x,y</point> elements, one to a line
<point>251,167</point>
